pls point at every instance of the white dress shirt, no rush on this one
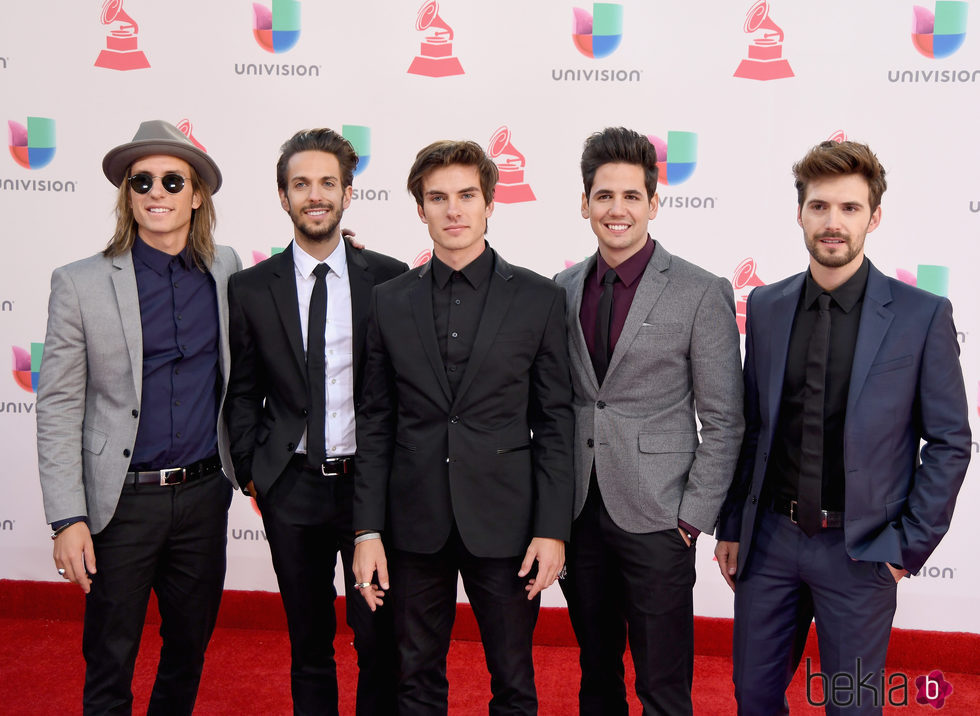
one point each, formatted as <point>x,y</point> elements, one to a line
<point>340,439</point>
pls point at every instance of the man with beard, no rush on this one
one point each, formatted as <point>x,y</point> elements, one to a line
<point>297,328</point>
<point>846,373</point>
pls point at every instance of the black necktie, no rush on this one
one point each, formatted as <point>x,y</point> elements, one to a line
<point>603,319</point>
<point>811,445</point>
<point>316,369</point>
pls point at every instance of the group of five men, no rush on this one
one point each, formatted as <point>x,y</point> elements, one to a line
<point>471,418</point>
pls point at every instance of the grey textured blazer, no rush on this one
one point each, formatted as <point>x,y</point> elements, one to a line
<point>89,390</point>
<point>678,357</point>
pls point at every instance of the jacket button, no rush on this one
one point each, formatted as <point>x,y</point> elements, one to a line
<point>306,412</point>
<point>126,452</point>
<point>136,413</point>
<point>590,442</point>
<point>290,446</point>
<point>601,404</point>
<point>454,419</point>
<point>754,499</point>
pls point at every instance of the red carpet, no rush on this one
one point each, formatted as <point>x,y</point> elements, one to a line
<point>41,666</point>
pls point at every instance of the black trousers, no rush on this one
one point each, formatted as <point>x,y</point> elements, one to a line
<point>307,520</point>
<point>423,596</point>
<point>618,580</point>
<point>171,540</point>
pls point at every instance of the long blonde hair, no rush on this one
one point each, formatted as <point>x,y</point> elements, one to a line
<point>201,235</point>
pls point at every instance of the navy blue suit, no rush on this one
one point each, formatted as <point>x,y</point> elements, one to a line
<point>906,386</point>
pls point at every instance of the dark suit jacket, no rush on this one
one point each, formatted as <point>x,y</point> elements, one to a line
<point>268,396</point>
<point>906,386</point>
<point>426,458</point>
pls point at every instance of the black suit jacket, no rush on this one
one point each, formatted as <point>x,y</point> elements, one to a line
<point>496,458</point>
<point>268,396</point>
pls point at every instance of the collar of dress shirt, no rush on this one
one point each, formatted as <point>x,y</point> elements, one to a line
<point>159,260</point>
<point>475,272</point>
<point>632,268</point>
<point>304,263</point>
<point>846,295</point>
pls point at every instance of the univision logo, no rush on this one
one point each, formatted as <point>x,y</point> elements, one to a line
<point>676,158</point>
<point>598,34</point>
<point>276,29</point>
<point>27,366</point>
<point>940,34</point>
<point>359,138</point>
<point>32,146</point>
<point>934,279</point>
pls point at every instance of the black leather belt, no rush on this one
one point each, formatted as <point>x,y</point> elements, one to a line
<point>828,518</point>
<point>176,475</point>
<point>339,466</point>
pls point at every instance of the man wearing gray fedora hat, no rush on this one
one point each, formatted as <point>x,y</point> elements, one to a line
<point>130,440</point>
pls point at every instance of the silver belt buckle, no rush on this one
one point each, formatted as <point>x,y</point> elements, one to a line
<point>793,507</point>
<point>165,478</point>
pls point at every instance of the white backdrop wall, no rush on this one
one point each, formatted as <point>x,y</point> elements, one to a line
<point>855,69</point>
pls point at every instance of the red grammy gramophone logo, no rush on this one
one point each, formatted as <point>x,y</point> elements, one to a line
<point>122,42</point>
<point>744,280</point>
<point>765,60</point>
<point>511,188</point>
<point>187,128</point>
<point>435,59</point>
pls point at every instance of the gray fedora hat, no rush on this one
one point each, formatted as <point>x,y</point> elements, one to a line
<point>158,137</point>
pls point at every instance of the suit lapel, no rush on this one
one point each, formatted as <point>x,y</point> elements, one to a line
<point>500,294</point>
<point>361,281</point>
<point>283,288</point>
<point>420,297</point>
<point>580,351</point>
<point>128,303</point>
<point>875,321</point>
<point>220,272</point>
<point>652,285</point>
<point>778,328</point>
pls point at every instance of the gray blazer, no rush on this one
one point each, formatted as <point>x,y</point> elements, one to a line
<point>89,390</point>
<point>678,357</point>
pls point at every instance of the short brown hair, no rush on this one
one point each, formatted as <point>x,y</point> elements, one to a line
<point>447,152</point>
<point>829,159</point>
<point>203,218</point>
<point>318,140</point>
<point>618,145</point>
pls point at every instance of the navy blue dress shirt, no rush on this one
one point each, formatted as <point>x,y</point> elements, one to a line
<point>181,374</point>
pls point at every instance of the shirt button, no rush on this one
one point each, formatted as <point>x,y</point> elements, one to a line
<point>600,405</point>
<point>176,285</point>
<point>452,369</point>
<point>177,402</point>
<point>306,411</point>
<point>179,435</point>
<point>332,381</point>
<point>180,317</point>
<point>136,413</point>
<point>290,446</point>
<point>457,301</point>
<point>334,414</point>
<point>455,334</point>
<point>590,442</point>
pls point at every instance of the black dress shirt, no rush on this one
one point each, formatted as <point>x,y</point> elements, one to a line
<point>783,471</point>
<point>457,305</point>
<point>181,377</point>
